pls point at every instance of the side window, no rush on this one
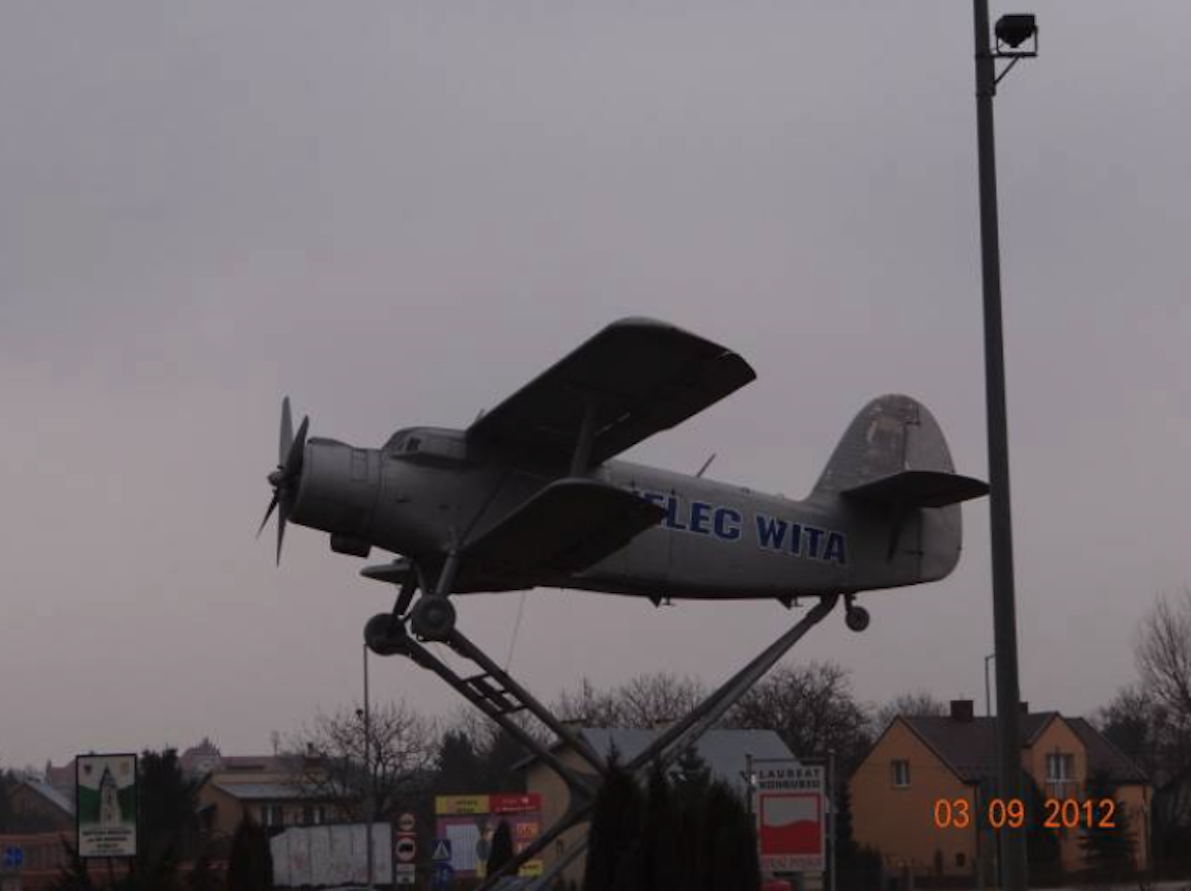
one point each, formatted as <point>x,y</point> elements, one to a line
<point>901,773</point>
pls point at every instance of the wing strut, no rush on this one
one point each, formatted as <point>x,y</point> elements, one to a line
<point>581,459</point>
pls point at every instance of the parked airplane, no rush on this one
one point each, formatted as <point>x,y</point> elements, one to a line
<point>531,494</point>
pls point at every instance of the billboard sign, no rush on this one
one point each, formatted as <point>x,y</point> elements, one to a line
<point>790,808</point>
<point>466,824</point>
<point>450,805</point>
<point>527,803</point>
<point>106,805</point>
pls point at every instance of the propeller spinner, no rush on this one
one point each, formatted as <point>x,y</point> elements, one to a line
<point>284,479</point>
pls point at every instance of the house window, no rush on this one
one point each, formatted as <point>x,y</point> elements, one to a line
<point>272,815</point>
<point>901,773</point>
<point>1060,774</point>
<point>1060,767</point>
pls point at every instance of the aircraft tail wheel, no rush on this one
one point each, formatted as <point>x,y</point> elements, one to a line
<point>433,618</point>
<point>385,635</point>
<point>856,618</point>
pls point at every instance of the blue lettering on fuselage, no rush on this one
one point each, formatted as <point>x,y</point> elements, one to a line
<point>727,524</point>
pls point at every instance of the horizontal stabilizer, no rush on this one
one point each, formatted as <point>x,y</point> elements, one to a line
<point>569,525</point>
<point>919,488</point>
<point>395,573</point>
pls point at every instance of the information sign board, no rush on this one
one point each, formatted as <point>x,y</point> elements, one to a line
<point>106,810</point>
<point>789,804</point>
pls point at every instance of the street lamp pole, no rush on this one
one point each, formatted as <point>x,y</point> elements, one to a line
<point>371,797</point>
<point>833,826</point>
<point>1012,847</point>
<point>987,688</point>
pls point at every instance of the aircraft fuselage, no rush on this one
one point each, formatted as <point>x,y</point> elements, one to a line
<point>428,490</point>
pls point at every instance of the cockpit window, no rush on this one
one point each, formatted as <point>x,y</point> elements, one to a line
<point>433,446</point>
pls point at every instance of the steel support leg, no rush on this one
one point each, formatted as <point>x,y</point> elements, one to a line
<point>500,699</point>
<point>711,709</point>
<point>465,648</point>
<point>680,735</point>
<point>498,707</point>
<point>543,881</point>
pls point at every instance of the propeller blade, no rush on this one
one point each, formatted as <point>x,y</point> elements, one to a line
<point>272,505</point>
<point>287,433</point>
<point>290,457</point>
<point>293,461</point>
<point>281,518</point>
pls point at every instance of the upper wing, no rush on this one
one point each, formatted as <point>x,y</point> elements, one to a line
<point>644,376</point>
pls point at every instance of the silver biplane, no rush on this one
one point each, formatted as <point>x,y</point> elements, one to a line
<point>532,494</point>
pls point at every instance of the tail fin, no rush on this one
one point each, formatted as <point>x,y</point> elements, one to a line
<point>894,457</point>
<point>894,452</point>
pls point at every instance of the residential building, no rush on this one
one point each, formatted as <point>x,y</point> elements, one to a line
<point>36,806</point>
<point>923,793</point>
<point>275,790</point>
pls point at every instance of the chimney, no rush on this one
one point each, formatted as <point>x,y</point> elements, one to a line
<point>962,710</point>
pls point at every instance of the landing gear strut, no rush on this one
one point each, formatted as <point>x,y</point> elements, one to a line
<point>855,617</point>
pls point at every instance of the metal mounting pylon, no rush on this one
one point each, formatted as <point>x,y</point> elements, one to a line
<point>498,695</point>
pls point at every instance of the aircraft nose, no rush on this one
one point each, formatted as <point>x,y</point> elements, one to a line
<point>338,489</point>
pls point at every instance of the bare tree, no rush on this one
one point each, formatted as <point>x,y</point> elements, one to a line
<point>332,758</point>
<point>646,701</point>
<point>656,700</point>
<point>588,706</point>
<point>916,704</point>
<point>812,708</point>
<point>1164,658</point>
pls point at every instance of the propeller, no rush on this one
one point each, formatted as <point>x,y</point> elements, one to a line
<point>284,480</point>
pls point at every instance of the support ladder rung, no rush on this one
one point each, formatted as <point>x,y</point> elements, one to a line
<point>499,697</point>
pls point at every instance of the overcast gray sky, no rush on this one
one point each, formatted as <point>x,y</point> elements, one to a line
<point>399,212</point>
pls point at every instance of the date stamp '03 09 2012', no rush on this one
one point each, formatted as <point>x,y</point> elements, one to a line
<point>1059,813</point>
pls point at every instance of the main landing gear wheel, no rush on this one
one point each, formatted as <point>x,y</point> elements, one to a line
<point>856,618</point>
<point>433,618</point>
<point>385,635</point>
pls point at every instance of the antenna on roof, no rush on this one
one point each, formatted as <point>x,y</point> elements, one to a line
<point>706,464</point>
